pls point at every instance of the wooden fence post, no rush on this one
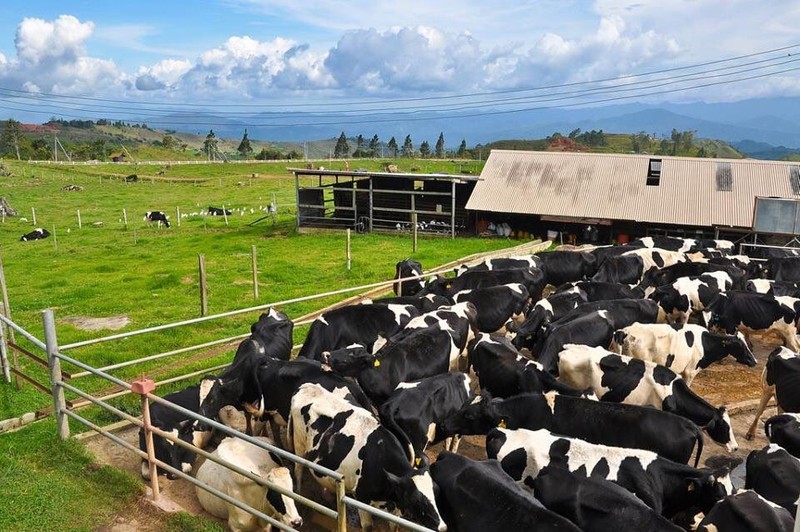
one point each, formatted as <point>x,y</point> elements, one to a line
<point>414,232</point>
<point>225,215</point>
<point>56,377</point>
<point>55,239</point>
<point>255,271</point>
<point>80,225</point>
<point>203,287</point>
<point>8,330</point>
<point>125,218</point>
<point>178,215</point>
<point>33,214</point>
<point>348,250</point>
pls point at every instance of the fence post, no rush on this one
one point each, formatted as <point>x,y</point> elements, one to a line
<point>203,288</point>
<point>80,225</point>
<point>414,232</point>
<point>33,214</point>
<point>255,271</point>
<point>8,330</point>
<point>178,215</point>
<point>348,249</point>
<point>225,215</point>
<point>59,403</point>
<point>144,386</point>
<point>125,218</point>
<point>341,507</point>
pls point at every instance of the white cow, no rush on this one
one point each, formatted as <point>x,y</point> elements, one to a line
<point>259,462</point>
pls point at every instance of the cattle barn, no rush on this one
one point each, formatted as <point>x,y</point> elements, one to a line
<point>621,196</point>
<point>383,201</point>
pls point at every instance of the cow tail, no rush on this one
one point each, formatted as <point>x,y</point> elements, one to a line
<point>699,435</point>
<point>405,442</point>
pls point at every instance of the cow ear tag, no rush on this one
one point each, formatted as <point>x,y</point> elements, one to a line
<point>692,487</point>
<point>418,461</point>
<point>502,424</point>
<point>377,362</point>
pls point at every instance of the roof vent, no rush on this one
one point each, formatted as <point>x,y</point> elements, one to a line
<point>654,173</point>
<point>724,177</point>
<point>794,178</point>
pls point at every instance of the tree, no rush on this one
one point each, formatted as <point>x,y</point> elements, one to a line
<point>374,145</point>
<point>439,150</point>
<point>392,145</point>
<point>12,134</point>
<point>360,142</point>
<point>425,149</point>
<point>574,133</point>
<point>462,148</point>
<point>245,148</point>
<point>169,142</point>
<point>408,147</point>
<point>640,142</point>
<point>342,149</point>
<point>210,146</point>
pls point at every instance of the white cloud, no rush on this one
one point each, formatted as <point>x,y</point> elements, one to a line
<point>162,75</point>
<point>39,40</point>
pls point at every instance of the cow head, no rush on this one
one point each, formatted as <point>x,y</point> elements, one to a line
<point>274,330</point>
<point>721,431</point>
<point>214,394</point>
<point>478,417</point>
<point>740,349</point>
<point>438,286</point>
<point>278,505</point>
<point>350,361</point>
<point>415,495</point>
<point>704,491</point>
<point>408,268</point>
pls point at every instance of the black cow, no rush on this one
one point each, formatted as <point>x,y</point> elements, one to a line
<point>497,306</point>
<point>414,408</point>
<point>746,511</point>
<point>376,469</point>
<point>666,486</point>
<point>774,474</point>
<point>480,496</point>
<point>216,211</point>
<point>622,379</point>
<point>772,252</point>
<point>180,425</point>
<point>533,280</point>
<point>408,268</point>
<point>36,234</point>
<point>781,378</point>
<point>623,269</point>
<point>273,331</point>
<point>350,361</point>
<point>355,324</point>
<point>670,274</point>
<point>595,504</point>
<point>503,263</point>
<point>158,217</point>
<point>784,430</point>
<point>615,424</point>
<point>544,312</point>
<point>566,266</point>
<point>750,311</point>
<point>775,288</point>
<point>601,291</point>
<point>423,304</point>
<point>601,253</point>
<point>782,269</point>
<point>690,294</point>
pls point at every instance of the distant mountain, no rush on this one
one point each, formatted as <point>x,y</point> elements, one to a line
<point>762,150</point>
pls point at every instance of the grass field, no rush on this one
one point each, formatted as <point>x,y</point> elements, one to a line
<point>151,277</point>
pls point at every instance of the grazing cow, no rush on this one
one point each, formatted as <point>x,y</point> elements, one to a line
<point>782,269</point>
<point>615,424</point>
<point>774,474</point>
<point>504,263</point>
<point>430,344</point>
<point>690,294</point>
<point>595,504</point>
<point>746,511</point>
<point>665,486</point>
<point>784,430</point>
<point>685,350</point>
<point>36,234</point>
<point>259,462</point>
<point>479,496</point>
<point>533,279</point>
<point>355,324</point>
<point>503,371</point>
<point>672,273</point>
<point>216,211</point>
<point>423,304</point>
<point>775,288</point>
<point>350,361</point>
<point>780,378</point>
<point>180,426</point>
<point>131,178</point>
<point>414,408</point>
<point>408,268</point>
<point>567,266</point>
<point>623,269</point>
<point>622,379</point>
<point>749,312</point>
<point>497,306</point>
<point>544,312</point>
<point>334,433</point>
<point>158,217</point>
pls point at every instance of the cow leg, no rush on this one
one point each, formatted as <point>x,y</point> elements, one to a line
<point>276,433</point>
<point>451,443</point>
<point>766,395</point>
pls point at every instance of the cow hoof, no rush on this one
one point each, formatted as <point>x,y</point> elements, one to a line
<point>749,436</point>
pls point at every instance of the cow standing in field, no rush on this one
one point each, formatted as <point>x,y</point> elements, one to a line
<point>156,216</point>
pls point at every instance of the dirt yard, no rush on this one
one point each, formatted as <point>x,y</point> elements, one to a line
<point>726,383</point>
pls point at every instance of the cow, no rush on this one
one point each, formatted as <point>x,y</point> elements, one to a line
<point>376,469</point>
<point>216,211</point>
<point>601,291</point>
<point>774,474</point>
<point>561,267</point>
<point>775,288</point>
<point>36,234</point>
<point>782,269</point>
<point>503,263</point>
<point>670,274</point>
<point>615,424</point>
<point>539,317</point>
<point>533,279</point>
<point>624,269</point>
<point>685,350</point>
<point>749,312</point>
<point>350,361</point>
<point>259,462</point>
<point>179,425</point>
<point>772,252</point>
<point>684,245</point>
<point>497,306</point>
<point>156,216</point>
<point>430,344</point>
<point>623,379</point>
<point>780,378</point>
<point>659,258</point>
<point>747,511</point>
<point>414,408</point>
<point>665,486</point>
<point>273,331</point>
<point>479,496</point>
<point>423,304</point>
<point>355,324</point>
<point>595,504</point>
<point>601,253</point>
<point>409,287</point>
<point>784,430</point>
<point>690,294</point>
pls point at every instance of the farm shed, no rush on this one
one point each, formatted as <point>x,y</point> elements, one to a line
<point>373,201</point>
<point>627,195</point>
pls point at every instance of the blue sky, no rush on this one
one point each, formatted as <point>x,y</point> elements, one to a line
<point>279,53</point>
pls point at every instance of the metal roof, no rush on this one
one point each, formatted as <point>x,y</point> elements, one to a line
<point>614,187</point>
<point>356,173</point>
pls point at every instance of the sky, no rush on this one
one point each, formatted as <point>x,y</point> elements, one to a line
<point>122,59</point>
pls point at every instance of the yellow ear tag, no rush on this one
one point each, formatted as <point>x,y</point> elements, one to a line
<point>502,424</point>
<point>377,362</point>
<point>418,461</point>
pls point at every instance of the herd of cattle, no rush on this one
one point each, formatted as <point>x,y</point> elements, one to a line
<point>583,396</point>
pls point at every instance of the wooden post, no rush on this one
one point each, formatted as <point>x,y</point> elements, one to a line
<point>203,287</point>
<point>54,363</point>
<point>414,231</point>
<point>33,214</point>
<point>125,218</point>
<point>341,507</point>
<point>348,249</point>
<point>453,210</point>
<point>80,225</point>
<point>255,271</point>
<point>178,215</point>
<point>9,332</point>
<point>144,386</point>
<point>55,239</point>
<point>225,215</point>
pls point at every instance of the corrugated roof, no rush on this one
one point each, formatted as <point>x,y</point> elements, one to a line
<point>614,186</point>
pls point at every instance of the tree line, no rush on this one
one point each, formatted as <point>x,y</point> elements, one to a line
<point>375,148</point>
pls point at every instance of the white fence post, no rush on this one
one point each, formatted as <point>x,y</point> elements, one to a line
<point>59,403</point>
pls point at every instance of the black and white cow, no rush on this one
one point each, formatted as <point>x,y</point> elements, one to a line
<point>775,288</point>
<point>774,474</point>
<point>533,280</point>
<point>567,266</point>
<point>216,211</point>
<point>36,234</point>
<point>156,216</point>
<point>746,511</point>
<point>601,253</point>
<point>665,486</point>
<point>782,269</point>
<point>690,294</point>
<point>355,324</point>
<point>180,426</point>
<point>684,245</point>
<point>615,424</point>
<point>334,433</point>
<point>350,361</point>
<point>784,430</point>
<point>781,379</point>
<point>600,291</point>
<point>414,408</point>
<point>624,269</point>
<point>273,331</point>
<point>497,306</point>
<point>749,312</point>
<point>660,258</point>
<point>672,273</point>
<point>422,303</point>
<point>541,315</point>
<point>479,496</point>
<point>685,350</point>
<point>502,263</point>
<point>622,379</point>
<point>409,287</point>
<point>595,504</point>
